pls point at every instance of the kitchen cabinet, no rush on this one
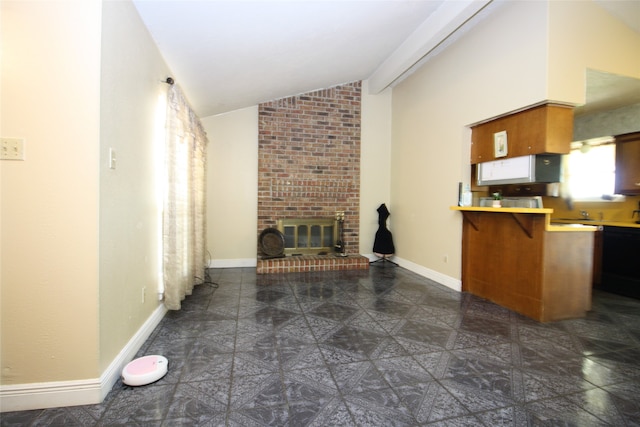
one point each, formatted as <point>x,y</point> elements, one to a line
<point>628,164</point>
<point>544,129</point>
<point>517,259</point>
<point>620,255</point>
<point>597,256</point>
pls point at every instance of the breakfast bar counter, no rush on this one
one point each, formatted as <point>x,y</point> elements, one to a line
<point>518,259</point>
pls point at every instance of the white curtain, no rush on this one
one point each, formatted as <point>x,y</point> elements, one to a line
<point>183,222</point>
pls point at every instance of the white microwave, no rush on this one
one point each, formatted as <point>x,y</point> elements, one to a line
<point>541,168</point>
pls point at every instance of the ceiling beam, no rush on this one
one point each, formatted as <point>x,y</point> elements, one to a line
<point>440,25</point>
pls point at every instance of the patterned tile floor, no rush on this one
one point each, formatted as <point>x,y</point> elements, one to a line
<point>383,347</point>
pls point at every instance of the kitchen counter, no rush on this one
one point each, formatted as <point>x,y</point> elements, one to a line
<point>517,258</point>
<point>549,223</point>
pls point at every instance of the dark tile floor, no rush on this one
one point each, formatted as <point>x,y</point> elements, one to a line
<point>383,347</point>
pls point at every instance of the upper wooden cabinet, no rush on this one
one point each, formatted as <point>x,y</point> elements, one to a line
<point>628,164</point>
<point>543,129</point>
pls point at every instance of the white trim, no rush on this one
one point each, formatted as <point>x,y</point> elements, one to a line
<point>371,257</point>
<point>22,397</point>
<point>233,263</point>
<point>443,279</point>
<point>114,371</point>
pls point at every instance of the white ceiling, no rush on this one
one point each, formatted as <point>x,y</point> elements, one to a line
<point>230,54</point>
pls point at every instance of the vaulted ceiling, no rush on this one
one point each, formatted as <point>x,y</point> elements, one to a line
<point>230,54</point>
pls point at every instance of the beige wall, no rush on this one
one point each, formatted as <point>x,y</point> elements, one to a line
<point>375,164</point>
<point>501,65</point>
<point>232,187</point>
<point>232,171</point>
<point>583,35</point>
<point>78,240</point>
<point>132,123</point>
<point>50,97</point>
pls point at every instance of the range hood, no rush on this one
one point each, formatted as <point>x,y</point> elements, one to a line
<point>538,168</point>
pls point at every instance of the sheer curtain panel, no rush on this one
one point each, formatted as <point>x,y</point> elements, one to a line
<point>183,222</point>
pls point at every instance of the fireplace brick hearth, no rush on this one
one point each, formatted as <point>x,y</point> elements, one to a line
<point>308,263</point>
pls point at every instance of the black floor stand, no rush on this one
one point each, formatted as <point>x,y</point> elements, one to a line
<point>383,259</point>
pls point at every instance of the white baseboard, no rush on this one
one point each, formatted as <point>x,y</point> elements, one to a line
<point>371,257</point>
<point>443,279</point>
<point>22,397</point>
<point>114,371</point>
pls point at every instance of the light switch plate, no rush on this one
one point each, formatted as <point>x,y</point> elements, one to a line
<point>112,158</point>
<point>11,149</point>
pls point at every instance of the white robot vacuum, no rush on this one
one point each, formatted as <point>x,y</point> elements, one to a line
<point>145,370</point>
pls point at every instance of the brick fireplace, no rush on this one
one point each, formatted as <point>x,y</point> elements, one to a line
<point>309,165</point>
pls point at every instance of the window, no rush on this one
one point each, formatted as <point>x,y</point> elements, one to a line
<point>591,169</point>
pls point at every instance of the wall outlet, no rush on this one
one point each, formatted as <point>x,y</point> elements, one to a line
<point>144,294</point>
<point>12,149</point>
<point>445,258</point>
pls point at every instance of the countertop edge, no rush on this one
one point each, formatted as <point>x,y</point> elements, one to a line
<point>552,223</point>
<point>541,211</point>
<point>537,211</point>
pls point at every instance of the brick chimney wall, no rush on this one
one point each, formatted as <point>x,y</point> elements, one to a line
<point>309,158</point>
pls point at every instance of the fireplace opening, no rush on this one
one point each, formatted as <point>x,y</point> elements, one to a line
<point>308,236</point>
